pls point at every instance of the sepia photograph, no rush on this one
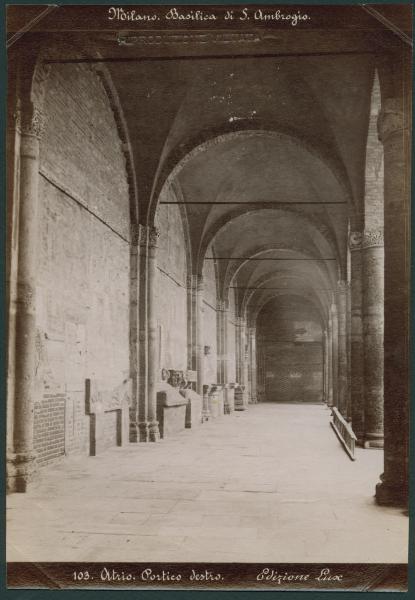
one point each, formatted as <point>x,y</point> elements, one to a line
<point>208,296</point>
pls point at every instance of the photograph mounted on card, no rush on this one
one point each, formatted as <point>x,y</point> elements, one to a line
<point>208,296</point>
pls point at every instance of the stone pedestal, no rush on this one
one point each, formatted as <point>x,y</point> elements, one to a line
<point>394,128</point>
<point>356,343</point>
<point>373,265</point>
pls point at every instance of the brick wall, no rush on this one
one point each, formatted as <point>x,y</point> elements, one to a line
<point>49,437</point>
<point>290,344</point>
<point>82,312</point>
<point>171,295</point>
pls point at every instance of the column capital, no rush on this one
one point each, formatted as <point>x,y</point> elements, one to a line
<point>373,238</point>
<point>355,240</point>
<point>197,282</point>
<point>153,236</point>
<point>342,286</point>
<point>138,234</point>
<point>30,122</point>
<point>222,305</point>
<point>391,119</point>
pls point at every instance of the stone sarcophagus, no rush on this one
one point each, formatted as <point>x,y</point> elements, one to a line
<point>108,411</point>
<point>171,404</point>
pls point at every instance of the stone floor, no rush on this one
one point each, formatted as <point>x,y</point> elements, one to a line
<point>269,484</point>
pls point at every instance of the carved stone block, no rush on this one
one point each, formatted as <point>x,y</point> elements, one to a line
<point>171,410</point>
<point>108,411</point>
<point>193,408</point>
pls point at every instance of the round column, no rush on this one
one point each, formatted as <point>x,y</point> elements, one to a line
<point>373,265</point>
<point>342,347</point>
<point>394,128</point>
<point>21,463</point>
<point>325,366</point>
<point>335,353</point>
<point>252,365</point>
<point>356,342</point>
<point>153,427</point>
<point>200,350</point>
<point>330,361</point>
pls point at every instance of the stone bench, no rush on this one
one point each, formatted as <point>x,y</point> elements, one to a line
<point>171,410</point>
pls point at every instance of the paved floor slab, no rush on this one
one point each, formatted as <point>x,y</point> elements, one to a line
<point>271,484</point>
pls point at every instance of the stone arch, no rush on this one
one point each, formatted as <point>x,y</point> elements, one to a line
<point>248,298</point>
<point>238,265</point>
<point>277,295</point>
<point>32,96</point>
<point>243,130</point>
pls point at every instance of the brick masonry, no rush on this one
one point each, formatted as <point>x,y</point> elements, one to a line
<point>49,438</point>
<point>82,307</point>
<point>171,294</point>
<point>291,347</point>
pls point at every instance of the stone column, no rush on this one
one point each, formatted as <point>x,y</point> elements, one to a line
<point>153,375</point>
<point>134,329</point>
<point>330,361</point>
<point>356,349</point>
<point>200,347</point>
<point>325,366</point>
<point>342,290</point>
<point>245,358</point>
<point>252,365</point>
<point>241,364</point>
<point>334,353</point>
<point>373,265</point>
<point>222,322</point>
<point>143,430</point>
<point>21,464</point>
<point>394,132</point>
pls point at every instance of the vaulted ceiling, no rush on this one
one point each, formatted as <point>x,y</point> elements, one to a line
<point>260,131</point>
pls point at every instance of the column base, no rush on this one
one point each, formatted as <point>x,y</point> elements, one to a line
<point>153,432</point>
<point>373,440</point>
<point>133,434</point>
<point>392,495</point>
<point>143,431</point>
<point>360,438</point>
<point>205,416</point>
<point>21,471</point>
